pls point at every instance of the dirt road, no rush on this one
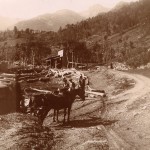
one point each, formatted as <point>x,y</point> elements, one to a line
<point>123,125</point>
<point>132,110</point>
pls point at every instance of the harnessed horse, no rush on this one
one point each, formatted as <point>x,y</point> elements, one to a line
<point>56,102</point>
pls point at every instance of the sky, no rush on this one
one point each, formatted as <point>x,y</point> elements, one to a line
<point>25,9</point>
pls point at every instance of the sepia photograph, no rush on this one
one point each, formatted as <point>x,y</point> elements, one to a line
<point>74,74</point>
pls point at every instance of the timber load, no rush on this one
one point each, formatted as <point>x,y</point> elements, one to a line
<point>32,80</point>
<point>31,91</point>
<point>44,79</point>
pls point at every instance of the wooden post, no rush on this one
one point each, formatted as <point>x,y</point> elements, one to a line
<point>50,63</point>
<point>72,58</point>
<point>33,58</point>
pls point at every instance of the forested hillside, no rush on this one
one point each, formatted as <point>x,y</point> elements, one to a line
<point>119,35</point>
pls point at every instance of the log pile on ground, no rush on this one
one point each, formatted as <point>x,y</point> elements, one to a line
<point>46,74</point>
<point>144,66</point>
<point>120,66</point>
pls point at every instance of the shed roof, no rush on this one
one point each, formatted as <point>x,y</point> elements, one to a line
<point>52,57</point>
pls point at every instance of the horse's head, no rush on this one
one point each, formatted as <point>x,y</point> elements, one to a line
<point>79,92</point>
<point>37,100</point>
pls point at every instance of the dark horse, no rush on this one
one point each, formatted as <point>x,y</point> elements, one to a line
<point>56,102</point>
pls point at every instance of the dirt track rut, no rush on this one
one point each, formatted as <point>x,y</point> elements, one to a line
<point>131,110</point>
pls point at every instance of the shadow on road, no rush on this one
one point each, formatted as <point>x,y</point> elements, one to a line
<point>86,123</point>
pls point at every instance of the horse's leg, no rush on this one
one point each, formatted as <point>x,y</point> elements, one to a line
<point>64,115</point>
<point>83,94</point>
<point>54,115</point>
<point>57,114</point>
<point>44,114</point>
<point>69,109</point>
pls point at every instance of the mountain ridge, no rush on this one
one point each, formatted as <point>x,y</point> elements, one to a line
<point>94,10</point>
<point>120,4</point>
<point>51,21</point>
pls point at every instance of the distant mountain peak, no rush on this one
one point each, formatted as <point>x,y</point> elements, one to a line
<point>94,10</point>
<point>120,4</point>
<point>51,22</point>
<point>97,6</point>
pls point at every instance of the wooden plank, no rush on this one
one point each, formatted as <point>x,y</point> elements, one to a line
<point>45,91</point>
<point>95,93</point>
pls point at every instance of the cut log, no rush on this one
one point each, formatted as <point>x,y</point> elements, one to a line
<point>30,91</point>
<point>32,80</point>
<point>44,79</point>
<point>45,91</point>
<point>8,75</point>
<point>95,93</point>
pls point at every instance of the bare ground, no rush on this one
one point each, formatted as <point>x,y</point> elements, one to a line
<point>21,132</point>
<point>131,109</point>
